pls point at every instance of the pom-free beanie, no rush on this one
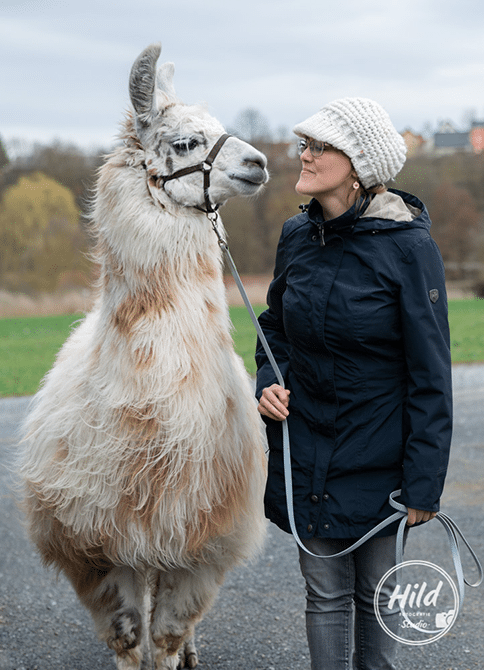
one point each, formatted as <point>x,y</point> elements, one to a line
<point>363,130</point>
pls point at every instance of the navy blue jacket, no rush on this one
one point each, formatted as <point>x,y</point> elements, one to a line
<point>358,326</point>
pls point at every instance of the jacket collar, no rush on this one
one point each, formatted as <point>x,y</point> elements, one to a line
<point>343,224</point>
<point>391,210</point>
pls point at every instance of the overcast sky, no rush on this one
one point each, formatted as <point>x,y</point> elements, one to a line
<point>65,63</point>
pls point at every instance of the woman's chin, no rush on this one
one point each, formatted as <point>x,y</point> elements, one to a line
<point>300,188</point>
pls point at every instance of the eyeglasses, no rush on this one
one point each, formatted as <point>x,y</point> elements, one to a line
<point>315,147</point>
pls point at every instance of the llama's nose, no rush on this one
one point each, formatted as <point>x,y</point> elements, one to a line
<point>257,160</point>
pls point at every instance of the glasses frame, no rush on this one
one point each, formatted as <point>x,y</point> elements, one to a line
<point>316,147</point>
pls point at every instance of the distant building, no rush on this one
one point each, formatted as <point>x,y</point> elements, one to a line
<point>476,136</point>
<point>448,140</point>
<point>413,141</point>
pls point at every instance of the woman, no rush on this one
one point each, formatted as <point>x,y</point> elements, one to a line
<point>357,321</point>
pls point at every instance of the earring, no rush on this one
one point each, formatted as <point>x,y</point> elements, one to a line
<point>356,185</point>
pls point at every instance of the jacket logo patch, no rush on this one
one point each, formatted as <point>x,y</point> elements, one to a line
<point>434,294</point>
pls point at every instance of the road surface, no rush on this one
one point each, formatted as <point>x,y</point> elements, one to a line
<point>257,622</point>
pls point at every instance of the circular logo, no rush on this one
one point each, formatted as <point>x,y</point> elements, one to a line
<point>416,602</point>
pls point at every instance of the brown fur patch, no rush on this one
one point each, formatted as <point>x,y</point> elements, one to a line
<point>169,644</point>
<point>145,479</point>
<point>155,295</point>
<point>62,451</point>
<point>85,565</point>
<point>137,423</point>
<point>95,357</point>
<point>212,309</point>
<point>142,472</point>
<point>144,359</point>
<point>205,268</point>
<point>220,519</point>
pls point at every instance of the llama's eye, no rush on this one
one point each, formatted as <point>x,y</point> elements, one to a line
<point>184,146</point>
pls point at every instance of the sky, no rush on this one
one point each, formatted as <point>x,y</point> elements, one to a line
<point>65,64</point>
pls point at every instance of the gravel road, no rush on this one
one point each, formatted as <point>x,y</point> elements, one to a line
<point>257,622</point>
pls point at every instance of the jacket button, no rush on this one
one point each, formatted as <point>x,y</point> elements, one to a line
<point>314,238</point>
<point>325,496</point>
<point>315,499</point>
<point>310,527</point>
<point>326,526</point>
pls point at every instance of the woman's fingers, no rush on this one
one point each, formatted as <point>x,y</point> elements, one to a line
<point>418,515</point>
<point>274,402</point>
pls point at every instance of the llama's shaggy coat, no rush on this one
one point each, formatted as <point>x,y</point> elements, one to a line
<point>144,461</point>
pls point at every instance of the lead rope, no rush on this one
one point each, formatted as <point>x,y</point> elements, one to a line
<point>401,511</point>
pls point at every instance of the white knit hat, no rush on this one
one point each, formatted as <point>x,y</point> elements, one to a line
<point>363,130</point>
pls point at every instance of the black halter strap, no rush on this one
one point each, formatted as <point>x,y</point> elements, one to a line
<point>205,167</point>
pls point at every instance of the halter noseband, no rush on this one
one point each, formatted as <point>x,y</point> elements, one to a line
<point>205,167</point>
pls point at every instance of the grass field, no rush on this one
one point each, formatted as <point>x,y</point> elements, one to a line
<point>28,345</point>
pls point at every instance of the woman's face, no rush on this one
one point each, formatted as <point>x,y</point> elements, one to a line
<point>331,174</point>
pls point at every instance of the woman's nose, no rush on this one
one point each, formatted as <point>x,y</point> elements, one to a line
<point>306,155</point>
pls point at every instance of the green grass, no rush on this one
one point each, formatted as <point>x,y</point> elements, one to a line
<point>28,346</point>
<point>466,320</point>
<point>244,334</point>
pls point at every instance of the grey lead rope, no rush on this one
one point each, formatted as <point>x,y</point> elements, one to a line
<point>401,511</point>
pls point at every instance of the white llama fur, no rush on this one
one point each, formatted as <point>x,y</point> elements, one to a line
<point>144,462</point>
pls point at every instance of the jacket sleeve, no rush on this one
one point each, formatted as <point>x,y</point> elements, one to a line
<point>429,376</point>
<point>272,324</point>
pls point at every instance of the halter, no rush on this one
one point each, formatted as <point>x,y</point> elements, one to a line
<point>205,167</point>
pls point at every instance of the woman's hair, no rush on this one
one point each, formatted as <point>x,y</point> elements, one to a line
<point>374,190</point>
<point>364,194</point>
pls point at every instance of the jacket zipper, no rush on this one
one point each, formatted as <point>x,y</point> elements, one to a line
<point>321,234</point>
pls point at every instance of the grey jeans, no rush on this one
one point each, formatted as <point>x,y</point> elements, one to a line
<point>343,631</point>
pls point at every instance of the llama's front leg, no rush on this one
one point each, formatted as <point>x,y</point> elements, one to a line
<point>187,654</point>
<point>118,615</point>
<point>181,599</point>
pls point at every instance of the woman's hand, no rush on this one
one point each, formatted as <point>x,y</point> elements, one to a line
<point>274,402</point>
<point>418,515</point>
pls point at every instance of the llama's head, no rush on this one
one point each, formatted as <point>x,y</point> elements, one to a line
<point>174,136</point>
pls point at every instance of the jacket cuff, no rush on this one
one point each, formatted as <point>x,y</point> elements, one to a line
<point>423,490</point>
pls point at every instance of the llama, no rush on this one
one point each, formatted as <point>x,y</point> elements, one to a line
<point>144,460</point>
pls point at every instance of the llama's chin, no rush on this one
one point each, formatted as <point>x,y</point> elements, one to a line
<point>247,186</point>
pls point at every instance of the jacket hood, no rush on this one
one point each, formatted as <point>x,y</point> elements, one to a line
<point>390,210</point>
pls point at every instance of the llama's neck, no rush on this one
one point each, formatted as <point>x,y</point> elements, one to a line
<point>149,246</point>
<point>162,310</point>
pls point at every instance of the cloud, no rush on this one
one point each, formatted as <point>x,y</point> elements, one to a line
<point>65,64</point>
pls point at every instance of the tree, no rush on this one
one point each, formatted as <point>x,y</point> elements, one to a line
<point>40,238</point>
<point>65,163</point>
<point>4,159</point>
<point>456,219</point>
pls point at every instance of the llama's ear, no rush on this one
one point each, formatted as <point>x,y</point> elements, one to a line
<point>164,81</point>
<point>142,82</point>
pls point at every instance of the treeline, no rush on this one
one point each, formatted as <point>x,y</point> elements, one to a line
<point>452,187</point>
<point>44,199</point>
